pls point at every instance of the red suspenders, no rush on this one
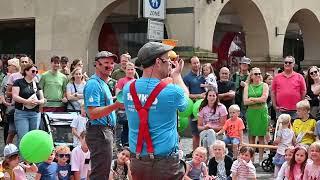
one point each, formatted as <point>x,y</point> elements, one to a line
<point>143,112</point>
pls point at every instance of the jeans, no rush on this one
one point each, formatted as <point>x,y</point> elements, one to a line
<point>293,114</point>
<point>99,140</point>
<point>25,121</point>
<point>168,168</point>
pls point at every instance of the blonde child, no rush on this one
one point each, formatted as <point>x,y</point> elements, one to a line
<point>211,80</point>
<point>297,164</point>
<point>48,169</point>
<point>304,126</point>
<point>312,170</point>
<point>284,138</point>
<point>196,168</point>
<point>120,167</point>
<point>234,129</point>
<point>11,168</point>
<point>219,166</point>
<point>288,156</point>
<point>243,168</point>
<point>64,168</point>
<point>78,125</point>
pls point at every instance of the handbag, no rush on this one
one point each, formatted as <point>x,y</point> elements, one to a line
<point>69,102</point>
<point>32,97</point>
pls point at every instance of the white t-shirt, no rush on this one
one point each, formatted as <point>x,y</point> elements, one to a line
<point>286,136</point>
<point>79,122</point>
<point>78,159</point>
<point>212,81</point>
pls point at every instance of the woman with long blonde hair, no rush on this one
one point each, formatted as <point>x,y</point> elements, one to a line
<point>255,96</point>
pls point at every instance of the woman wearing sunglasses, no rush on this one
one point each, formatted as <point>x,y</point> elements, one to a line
<point>313,89</point>
<point>27,96</point>
<point>255,96</point>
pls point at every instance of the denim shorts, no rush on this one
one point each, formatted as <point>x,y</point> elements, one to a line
<point>231,140</point>
<point>278,159</point>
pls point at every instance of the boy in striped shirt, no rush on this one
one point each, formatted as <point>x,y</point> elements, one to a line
<point>243,168</point>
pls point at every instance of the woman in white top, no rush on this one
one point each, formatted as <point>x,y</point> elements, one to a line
<point>75,90</point>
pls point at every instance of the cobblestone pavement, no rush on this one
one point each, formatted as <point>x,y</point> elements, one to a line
<point>186,144</point>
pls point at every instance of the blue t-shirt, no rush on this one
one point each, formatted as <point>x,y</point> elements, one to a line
<point>162,115</point>
<point>94,96</point>
<point>192,81</point>
<point>64,172</point>
<point>48,171</point>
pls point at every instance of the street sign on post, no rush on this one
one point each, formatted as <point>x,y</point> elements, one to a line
<point>154,9</point>
<point>155,30</point>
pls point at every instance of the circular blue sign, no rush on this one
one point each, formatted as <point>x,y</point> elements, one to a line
<point>155,4</point>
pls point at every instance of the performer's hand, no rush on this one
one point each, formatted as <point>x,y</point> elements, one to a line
<point>119,105</point>
<point>178,67</point>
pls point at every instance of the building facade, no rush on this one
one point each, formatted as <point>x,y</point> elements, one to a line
<point>262,30</point>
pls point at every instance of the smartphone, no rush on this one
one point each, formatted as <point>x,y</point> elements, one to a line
<point>86,161</point>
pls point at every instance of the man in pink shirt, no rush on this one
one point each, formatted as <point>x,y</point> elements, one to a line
<point>288,88</point>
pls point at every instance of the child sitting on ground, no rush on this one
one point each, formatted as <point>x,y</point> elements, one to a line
<point>284,138</point>
<point>120,167</point>
<point>48,170</point>
<point>288,156</point>
<point>297,164</point>
<point>196,168</point>
<point>220,165</point>
<point>11,167</point>
<point>80,159</point>
<point>304,126</point>
<point>234,128</point>
<point>64,169</point>
<point>312,169</point>
<point>78,125</point>
<point>243,167</point>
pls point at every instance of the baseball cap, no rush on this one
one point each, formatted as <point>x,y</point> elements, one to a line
<point>245,60</point>
<point>64,59</point>
<point>10,150</point>
<point>105,54</point>
<point>15,62</point>
<point>150,51</point>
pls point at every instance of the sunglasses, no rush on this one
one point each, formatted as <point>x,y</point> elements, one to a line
<point>313,73</point>
<point>64,155</point>
<point>288,62</point>
<point>257,74</point>
<point>34,71</point>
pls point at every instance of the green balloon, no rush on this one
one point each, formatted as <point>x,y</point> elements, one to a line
<point>183,124</point>
<point>120,97</point>
<point>36,146</point>
<point>188,111</point>
<point>196,107</point>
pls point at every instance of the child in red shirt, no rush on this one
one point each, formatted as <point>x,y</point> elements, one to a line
<point>234,129</point>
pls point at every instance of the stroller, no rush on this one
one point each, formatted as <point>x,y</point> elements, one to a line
<point>58,126</point>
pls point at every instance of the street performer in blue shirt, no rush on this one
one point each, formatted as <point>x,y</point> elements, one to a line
<point>151,104</point>
<point>100,110</point>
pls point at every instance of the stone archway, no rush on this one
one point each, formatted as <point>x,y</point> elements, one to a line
<point>97,23</point>
<point>244,17</point>
<point>304,25</point>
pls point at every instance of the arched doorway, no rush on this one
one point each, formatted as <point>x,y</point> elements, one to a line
<point>302,38</point>
<point>240,27</point>
<point>119,29</point>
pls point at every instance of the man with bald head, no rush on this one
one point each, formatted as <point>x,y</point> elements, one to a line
<point>226,88</point>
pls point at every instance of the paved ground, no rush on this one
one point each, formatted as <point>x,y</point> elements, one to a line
<point>186,144</point>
